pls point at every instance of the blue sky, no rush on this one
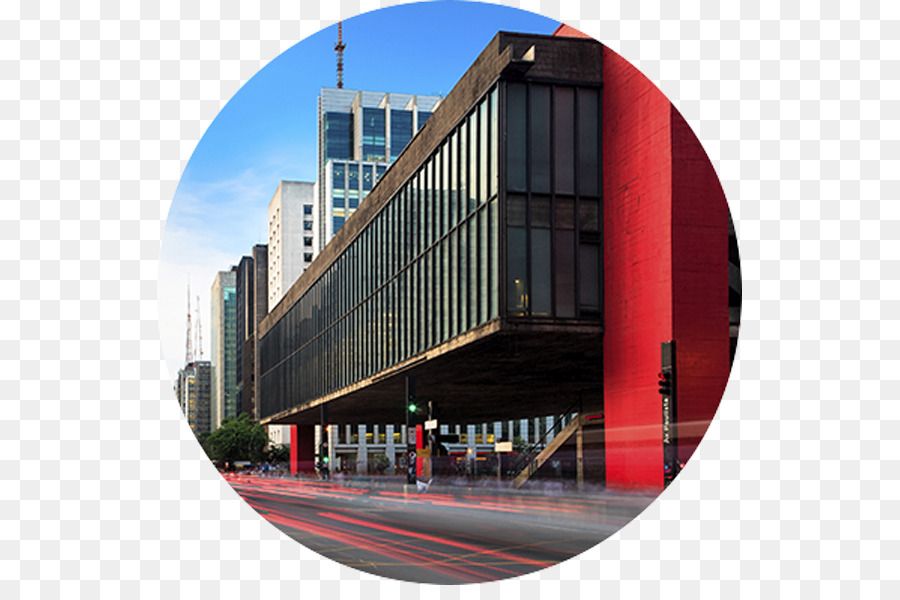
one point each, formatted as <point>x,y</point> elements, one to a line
<point>267,133</point>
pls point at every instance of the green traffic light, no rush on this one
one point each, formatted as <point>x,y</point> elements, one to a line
<point>412,408</point>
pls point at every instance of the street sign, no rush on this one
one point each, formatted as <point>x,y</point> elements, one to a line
<point>503,447</point>
<point>432,424</point>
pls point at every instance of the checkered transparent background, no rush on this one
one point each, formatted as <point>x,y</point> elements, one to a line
<point>105,493</point>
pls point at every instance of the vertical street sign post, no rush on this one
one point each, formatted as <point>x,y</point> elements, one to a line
<point>668,391</point>
<point>499,449</point>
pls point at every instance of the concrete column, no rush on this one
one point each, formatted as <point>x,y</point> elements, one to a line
<point>389,448</point>
<point>362,455</point>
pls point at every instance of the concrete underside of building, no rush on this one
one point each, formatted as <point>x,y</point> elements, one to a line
<point>499,371</point>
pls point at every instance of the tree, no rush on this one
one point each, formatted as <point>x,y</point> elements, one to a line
<point>278,454</point>
<point>380,463</point>
<point>237,439</point>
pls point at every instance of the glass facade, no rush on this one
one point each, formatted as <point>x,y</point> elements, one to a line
<point>351,182</point>
<point>553,208</point>
<point>338,135</point>
<point>373,134</point>
<point>401,131</point>
<point>430,256</point>
<point>502,220</point>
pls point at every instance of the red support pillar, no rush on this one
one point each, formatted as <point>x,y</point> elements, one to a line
<point>666,275</point>
<point>302,449</point>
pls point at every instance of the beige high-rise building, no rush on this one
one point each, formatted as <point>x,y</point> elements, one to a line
<point>292,231</point>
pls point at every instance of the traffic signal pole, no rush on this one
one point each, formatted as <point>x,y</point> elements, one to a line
<point>410,407</point>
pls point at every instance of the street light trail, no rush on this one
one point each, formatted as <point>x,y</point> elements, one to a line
<point>442,537</point>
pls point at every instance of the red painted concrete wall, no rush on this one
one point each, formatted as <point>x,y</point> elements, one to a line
<point>303,456</point>
<point>637,231</point>
<point>700,281</point>
<point>295,445</point>
<point>666,275</point>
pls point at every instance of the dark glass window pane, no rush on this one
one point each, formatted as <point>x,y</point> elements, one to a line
<point>515,210</point>
<point>589,214</point>
<point>494,298</point>
<point>589,276</point>
<point>565,273</point>
<point>424,115</point>
<point>373,139</point>
<point>516,271</point>
<point>453,174</point>
<point>463,170</point>
<point>353,182</point>
<point>540,211</point>
<point>464,291</point>
<point>564,213</point>
<point>367,177</point>
<point>338,171</point>
<point>540,272</point>
<point>539,112</point>
<point>337,135</point>
<point>515,149</point>
<point>446,307</point>
<point>588,142</point>
<point>483,266</point>
<point>492,145</point>
<point>473,161</point>
<point>401,130</point>
<point>564,140</point>
<point>454,286</point>
<point>473,271</point>
<point>483,152</point>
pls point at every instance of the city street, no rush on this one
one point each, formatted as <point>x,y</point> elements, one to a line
<point>447,535</point>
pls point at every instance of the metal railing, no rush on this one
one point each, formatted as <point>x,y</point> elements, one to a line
<point>526,459</point>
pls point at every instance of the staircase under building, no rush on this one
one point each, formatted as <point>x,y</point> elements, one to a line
<point>539,454</point>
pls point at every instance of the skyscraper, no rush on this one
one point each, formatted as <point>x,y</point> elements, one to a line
<point>193,391</point>
<point>252,302</point>
<point>360,134</point>
<point>224,347</point>
<point>292,231</point>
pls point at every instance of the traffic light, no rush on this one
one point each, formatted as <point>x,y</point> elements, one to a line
<point>665,383</point>
<point>412,407</point>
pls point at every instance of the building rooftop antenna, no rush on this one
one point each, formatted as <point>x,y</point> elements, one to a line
<point>199,332</point>
<point>188,350</point>
<point>339,48</point>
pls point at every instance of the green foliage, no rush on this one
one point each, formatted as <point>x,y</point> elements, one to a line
<point>278,454</point>
<point>380,463</point>
<point>519,445</point>
<point>237,439</point>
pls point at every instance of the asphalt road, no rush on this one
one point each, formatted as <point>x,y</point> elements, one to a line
<point>447,535</point>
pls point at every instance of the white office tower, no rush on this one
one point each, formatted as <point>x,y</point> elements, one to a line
<point>360,134</point>
<point>292,231</point>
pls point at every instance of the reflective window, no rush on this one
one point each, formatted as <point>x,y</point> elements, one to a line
<point>401,130</point>
<point>338,128</point>
<point>539,113</point>
<point>515,132</point>
<point>373,134</point>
